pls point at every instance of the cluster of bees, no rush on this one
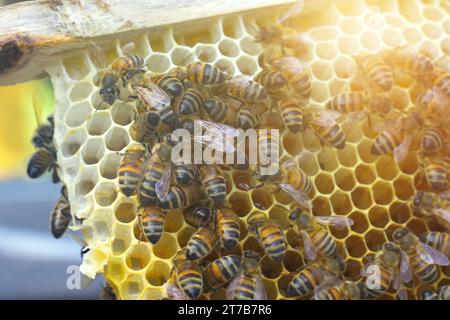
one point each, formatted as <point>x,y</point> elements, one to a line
<point>198,93</point>
<point>44,160</point>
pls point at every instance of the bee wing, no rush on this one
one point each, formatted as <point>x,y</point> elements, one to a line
<point>398,286</point>
<point>128,48</point>
<point>260,291</point>
<point>304,155</point>
<point>231,290</point>
<point>163,185</point>
<point>441,213</point>
<point>401,151</point>
<point>219,128</point>
<point>405,271</point>
<point>218,136</point>
<point>357,116</point>
<point>98,56</point>
<point>174,293</point>
<point>382,126</point>
<point>290,163</point>
<point>363,271</point>
<point>325,117</point>
<point>292,11</point>
<point>336,221</point>
<point>325,285</point>
<point>153,96</point>
<point>297,195</point>
<point>38,105</point>
<point>445,195</point>
<point>215,142</point>
<point>431,255</point>
<point>310,250</point>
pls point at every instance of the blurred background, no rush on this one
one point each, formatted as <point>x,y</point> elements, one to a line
<point>33,264</point>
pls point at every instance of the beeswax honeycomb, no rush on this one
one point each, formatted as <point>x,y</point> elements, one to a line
<point>371,190</point>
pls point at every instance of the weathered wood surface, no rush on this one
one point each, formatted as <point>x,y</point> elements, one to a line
<point>36,31</point>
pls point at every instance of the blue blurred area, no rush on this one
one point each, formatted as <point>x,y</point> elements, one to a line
<point>32,263</point>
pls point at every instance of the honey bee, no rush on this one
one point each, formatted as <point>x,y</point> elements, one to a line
<point>435,105</point>
<point>435,172</point>
<point>197,215</point>
<point>179,197</point>
<point>343,290</point>
<point>200,73</point>
<point>432,204</point>
<point>192,101</point>
<point>317,239</point>
<point>145,126</point>
<point>227,226</point>
<point>242,87</point>
<point>291,180</point>
<point>297,73</point>
<point>269,234</point>
<point>185,173</point>
<point>442,81</point>
<point>126,65</point>
<point>107,293</point>
<point>376,72</point>
<point>130,169</point>
<point>248,118</point>
<point>221,271</point>
<point>443,294</point>
<point>213,183</point>
<point>44,159</point>
<point>387,264</point>
<point>357,106</point>
<point>292,114</point>
<point>437,240</point>
<point>60,216</point>
<point>201,243</point>
<point>418,257</point>
<point>105,78</point>
<point>171,85</point>
<point>410,60</point>
<point>432,140</point>
<point>248,284</point>
<point>398,137</point>
<point>151,96</point>
<point>189,275</point>
<point>153,172</point>
<point>323,123</point>
<point>43,135</point>
<point>286,37</point>
<point>314,274</point>
<point>271,80</point>
<point>216,109</point>
<point>152,221</point>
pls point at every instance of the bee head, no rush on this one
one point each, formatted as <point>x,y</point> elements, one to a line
<point>417,199</point>
<point>340,261</point>
<point>427,295</point>
<point>401,235</point>
<point>294,215</point>
<point>249,254</point>
<point>153,119</point>
<point>390,247</point>
<point>108,94</point>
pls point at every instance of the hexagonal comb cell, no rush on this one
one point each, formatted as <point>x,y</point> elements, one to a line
<point>371,190</point>
<point>98,123</point>
<point>138,258</point>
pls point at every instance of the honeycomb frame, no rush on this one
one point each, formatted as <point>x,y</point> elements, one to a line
<point>373,191</point>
